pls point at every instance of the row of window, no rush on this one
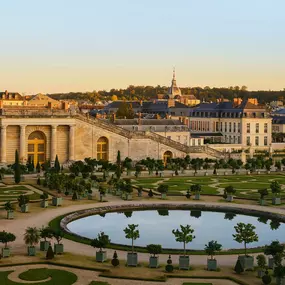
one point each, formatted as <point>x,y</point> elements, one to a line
<point>232,139</point>
<point>248,141</point>
<point>226,114</point>
<point>228,127</point>
<point>256,128</point>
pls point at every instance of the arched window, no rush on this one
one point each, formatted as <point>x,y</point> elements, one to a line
<point>37,147</point>
<point>102,148</point>
<point>166,156</point>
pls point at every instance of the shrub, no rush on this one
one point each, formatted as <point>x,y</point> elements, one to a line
<point>266,279</point>
<point>50,253</point>
<point>238,267</point>
<point>169,268</point>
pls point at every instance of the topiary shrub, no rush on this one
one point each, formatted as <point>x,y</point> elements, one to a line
<point>50,253</point>
<point>169,261</point>
<point>39,181</point>
<point>238,267</point>
<point>74,196</point>
<point>169,268</point>
<point>115,261</point>
<point>266,279</point>
<point>150,194</point>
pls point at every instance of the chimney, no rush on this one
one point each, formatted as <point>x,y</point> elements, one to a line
<point>252,101</point>
<point>170,103</point>
<point>141,103</point>
<point>237,101</point>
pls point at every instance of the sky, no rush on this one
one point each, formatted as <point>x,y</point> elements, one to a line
<point>85,45</point>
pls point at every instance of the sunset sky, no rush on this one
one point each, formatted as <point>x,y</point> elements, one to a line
<point>71,45</point>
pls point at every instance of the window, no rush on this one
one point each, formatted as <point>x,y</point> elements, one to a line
<point>226,127</point>
<point>217,126</point>
<point>256,141</point>
<point>265,128</point>
<point>265,141</point>
<point>248,128</point>
<point>221,126</point>
<point>230,139</point>
<point>257,128</point>
<point>247,140</point>
<point>239,140</point>
<point>234,127</point>
<point>226,138</point>
<point>239,127</point>
<point>102,148</point>
<point>230,127</point>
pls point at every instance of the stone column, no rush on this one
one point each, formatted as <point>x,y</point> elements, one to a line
<point>53,151</point>
<point>71,142</point>
<point>22,143</point>
<point>3,143</point>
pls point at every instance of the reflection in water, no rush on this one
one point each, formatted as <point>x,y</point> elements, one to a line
<point>156,227</point>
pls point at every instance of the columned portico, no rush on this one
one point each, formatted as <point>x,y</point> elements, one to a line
<point>3,143</point>
<point>53,151</point>
<point>71,142</point>
<point>23,143</point>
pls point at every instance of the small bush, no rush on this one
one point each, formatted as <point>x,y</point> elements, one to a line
<point>169,268</point>
<point>50,253</point>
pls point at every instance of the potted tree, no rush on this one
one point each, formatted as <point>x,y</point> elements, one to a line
<point>131,232</point>
<point>89,195</point>
<point>262,193</point>
<point>211,248</point>
<point>102,192</point>
<point>245,234</point>
<point>162,189</point>
<point>261,263</point>
<point>185,235</point>
<point>196,188</point>
<point>44,202</point>
<point>10,210</point>
<point>101,242</point>
<point>154,249</point>
<point>58,248</point>
<point>279,273</point>
<point>229,191</point>
<point>31,238</point>
<point>6,237</point>
<point>140,191</point>
<point>276,189</point>
<point>45,233</point>
<point>274,249</point>
<point>23,201</point>
<point>57,200</point>
<point>129,191</point>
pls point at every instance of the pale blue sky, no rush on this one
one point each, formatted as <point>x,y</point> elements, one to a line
<point>68,45</point>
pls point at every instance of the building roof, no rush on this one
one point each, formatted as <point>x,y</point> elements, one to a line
<point>10,95</point>
<point>278,120</point>
<point>148,122</point>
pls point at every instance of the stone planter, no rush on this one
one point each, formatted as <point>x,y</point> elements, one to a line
<point>260,273</point>
<point>101,256</point>
<point>129,197</point>
<point>163,196</point>
<point>230,198</point>
<point>248,172</point>
<point>6,252</point>
<point>44,204</point>
<point>212,264</point>
<point>90,197</point>
<point>268,171</point>
<point>132,259</point>
<point>270,262</point>
<point>153,262</point>
<point>58,248</point>
<point>140,194</point>
<point>262,202</point>
<point>118,193</point>
<point>225,173</point>
<point>25,208</point>
<point>56,201</point>
<point>31,251</point>
<point>123,196</point>
<point>10,215</point>
<point>247,262</point>
<point>206,173</point>
<point>184,262</point>
<point>197,196</point>
<point>280,281</point>
<point>276,201</point>
<point>44,245</point>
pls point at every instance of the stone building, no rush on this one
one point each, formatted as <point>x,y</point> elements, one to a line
<point>42,133</point>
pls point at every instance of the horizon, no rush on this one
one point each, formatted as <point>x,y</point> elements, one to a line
<point>66,46</point>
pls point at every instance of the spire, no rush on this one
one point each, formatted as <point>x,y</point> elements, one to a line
<point>173,91</point>
<point>173,78</point>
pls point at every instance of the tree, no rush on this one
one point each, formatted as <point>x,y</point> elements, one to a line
<point>261,261</point>
<point>32,236</point>
<point>23,200</point>
<point>46,233</point>
<point>101,241</point>
<point>119,165</point>
<point>17,169</point>
<point>185,235</point>
<point>58,235</point>
<point>162,188</point>
<point>125,111</point>
<point>150,194</point>
<point>8,206</point>
<point>212,247</point>
<point>275,187</point>
<point>154,249</point>
<point>245,234</point>
<point>44,196</point>
<point>56,164</point>
<point>6,237</point>
<point>196,188</point>
<point>263,193</point>
<point>38,167</point>
<point>132,233</point>
<point>274,248</point>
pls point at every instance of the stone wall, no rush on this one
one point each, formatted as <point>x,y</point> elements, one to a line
<point>13,142</point>
<point>62,143</point>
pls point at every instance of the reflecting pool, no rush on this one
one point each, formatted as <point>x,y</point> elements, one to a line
<point>156,226</point>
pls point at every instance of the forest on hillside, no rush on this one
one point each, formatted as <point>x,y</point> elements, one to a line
<point>149,92</point>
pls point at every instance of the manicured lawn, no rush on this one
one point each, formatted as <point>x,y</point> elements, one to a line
<point>12,193</point>
<point>99,283</point>
<point>247,186</point>
<point>61,277</point>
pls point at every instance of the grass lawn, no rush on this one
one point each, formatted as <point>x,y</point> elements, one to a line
<point>99,283</point>
<point>61,277</point>
<point>197,283</point>
<point>246,185</point>
<point>12,193</point>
